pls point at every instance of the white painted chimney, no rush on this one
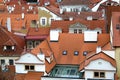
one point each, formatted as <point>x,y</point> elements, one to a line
<point>90,36</point>
<point>54,34</point>
<point>9,24</point>
<point>23,15</point>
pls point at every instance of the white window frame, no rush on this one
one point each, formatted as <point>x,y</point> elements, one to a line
<point>41,21</point>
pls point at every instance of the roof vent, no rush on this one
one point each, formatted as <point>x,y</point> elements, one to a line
<point>90,36</point>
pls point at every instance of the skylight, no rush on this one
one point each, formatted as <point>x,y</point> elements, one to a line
<point>76,53</point>
<point>64,52</point>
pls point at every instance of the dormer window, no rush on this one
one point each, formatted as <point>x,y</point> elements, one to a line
<point>76,53</point>
<point>8,48</point>
<point>64,52</point>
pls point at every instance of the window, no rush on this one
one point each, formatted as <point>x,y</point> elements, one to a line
<point>99,74</point>
<point>80,30</point>
<point>29,67</point>
<point>29,44</point>
<point>11,62</point>
<point>36,43</point>
<point>75,30</point>
<point>64,52</point>
<point>2,61</point>
<point>43,21</point>
<point>8,48</point>
<point>76,53</point>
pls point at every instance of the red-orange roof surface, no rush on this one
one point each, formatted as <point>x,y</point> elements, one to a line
<point>7,38</point>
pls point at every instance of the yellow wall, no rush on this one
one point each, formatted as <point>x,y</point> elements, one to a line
<point>43,13</point>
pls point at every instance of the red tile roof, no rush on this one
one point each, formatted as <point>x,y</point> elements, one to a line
<point>37,33</point>
<point>70,43</point>
<point>96,56</point>
<point>91,24</point>
<point>7,38</point>
<point>116,32</point>
<point>75,2</point>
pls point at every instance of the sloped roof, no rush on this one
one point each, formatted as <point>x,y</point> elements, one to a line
<point>91,24</point>
<point>116,32</point>
<point>100,55</point>
<point>7,38</point>
<point>71,43</point>
<point>37,33</point>
<point>75,2</point>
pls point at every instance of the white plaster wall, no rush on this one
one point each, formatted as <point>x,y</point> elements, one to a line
<point>100,64</point>
<point>108,75</point>
<point>20,68</point>
<point>7,59</point>
<point>40,68</point>
<point>29,58</point>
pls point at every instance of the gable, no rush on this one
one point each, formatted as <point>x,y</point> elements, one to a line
<point>28,58</point>
<point>78,25</point>
<point>100,64</point>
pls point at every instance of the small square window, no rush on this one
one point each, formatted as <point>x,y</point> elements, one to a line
<point>26,67</point>
<point>76,53</point>
<point>11,62</point>
<point>102,74</point>
<point>64,52</point>
<point>96,74</point>
<point>31,67</point>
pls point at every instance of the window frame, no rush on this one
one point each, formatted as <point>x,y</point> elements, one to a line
<point>99,74</point>
<point>29,67</point>
<point>41,21</point>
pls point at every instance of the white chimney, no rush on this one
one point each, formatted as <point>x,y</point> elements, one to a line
<point>54,34</point>
<point>23,15</point>
<point>89,18</point>
<point>70,18</point>
<point>90,36</point>
<point>9,24</point>
<point>61,11</point>
<point>98,49</point>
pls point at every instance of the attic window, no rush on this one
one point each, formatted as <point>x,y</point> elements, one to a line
<point>64,52</point>
<point>8,48</point>
<point>76,53</point>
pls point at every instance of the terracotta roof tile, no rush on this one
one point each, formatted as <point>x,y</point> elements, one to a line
<point>33,75</point>
<point>37,33</point>
<point>7,38</point>
<point>71,43</point>
<point>74,2</point>
<point>90,24</point>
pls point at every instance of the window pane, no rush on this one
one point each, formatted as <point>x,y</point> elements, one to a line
<point>76,53</point>
<point>72,72</point>
<point>2,61</point>
<point>26,67</point>
<point>31,67</point>
<point>43,21</point>
<point>96,74</point>
<point>64,52</point>
<point>102,74</point>
<point>75,30</point>
<point>11,62</point>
